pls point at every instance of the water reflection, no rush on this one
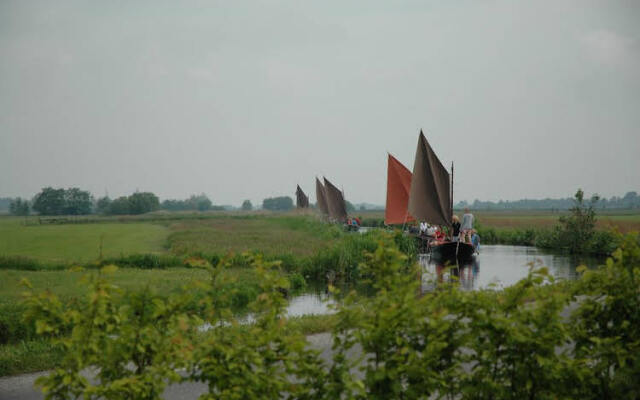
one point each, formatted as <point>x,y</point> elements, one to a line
<point>310,304</point>
<point>496,266</point>
<point>500,266</point>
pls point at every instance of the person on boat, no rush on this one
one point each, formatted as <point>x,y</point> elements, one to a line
<point>475,240</point>
<point>467,225</point>
<point>455,236</point>
<point>440,236</point>
<point>432,230</point>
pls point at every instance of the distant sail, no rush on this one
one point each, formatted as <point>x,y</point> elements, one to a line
<point>302,201</point>
<point>335,201</point>
<point>398,187</point>
<point>430,195</point>
<point>321,198</point>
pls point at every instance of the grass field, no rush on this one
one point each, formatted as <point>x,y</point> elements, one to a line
<point>213,233</point>
<point>623,223</point>
<point>80,242</point>
<point>68,284</point>
<point>268,235</point>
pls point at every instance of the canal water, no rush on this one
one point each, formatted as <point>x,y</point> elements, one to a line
<point>496,266</point>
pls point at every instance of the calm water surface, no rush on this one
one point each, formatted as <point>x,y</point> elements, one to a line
<point>496,266</point>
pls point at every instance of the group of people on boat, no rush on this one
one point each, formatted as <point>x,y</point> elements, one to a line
<point>461,231</point>
<point>353,223</point>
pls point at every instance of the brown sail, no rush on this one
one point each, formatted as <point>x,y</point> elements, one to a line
<point>321,198</point>
<point>302,200</point>
<point>398,187</point>
<point>335,201</point>
<point>430,195</point>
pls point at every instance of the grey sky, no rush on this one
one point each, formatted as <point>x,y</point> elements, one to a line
<point>245,99</point>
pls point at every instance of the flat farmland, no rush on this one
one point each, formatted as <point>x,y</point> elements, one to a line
<point>624,222</point>
<point>213,234</point>
<point>274,235</point>
<point>79,242</point>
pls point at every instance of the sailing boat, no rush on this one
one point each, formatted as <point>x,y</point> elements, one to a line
<point>431,199</point>
<point>335,201</point>
<point>302,200</point>
<point>398,185</point>
<point>321,198</point>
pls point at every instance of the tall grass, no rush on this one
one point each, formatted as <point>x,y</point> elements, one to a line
<point>602,243</point>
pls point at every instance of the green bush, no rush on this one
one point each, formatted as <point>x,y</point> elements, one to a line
<point>606,327</point>
<point>145,261</point>
<point>28,264</point>
<point>341,260</point>
<point>13,328</point>
<point>297,281</point>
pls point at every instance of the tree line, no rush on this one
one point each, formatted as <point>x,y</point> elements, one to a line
<point>629,201</point>
<point>74,201</point>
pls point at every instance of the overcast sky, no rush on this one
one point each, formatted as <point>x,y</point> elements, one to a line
<point>246,99</point>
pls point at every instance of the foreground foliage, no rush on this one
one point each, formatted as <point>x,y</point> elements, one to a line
<point>537,339</point>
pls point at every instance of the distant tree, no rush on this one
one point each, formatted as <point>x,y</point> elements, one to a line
<point>246,205</point>
<point>200,203</point>
<point>119,206</point>
<point>103,204</point>
<point>630,200</point>
<point>49,201</point>
<point>362,207</point>
<point>173,205</point>
<point>77,202</point>
<point>19,207</point>
<point>143,202</point>
<point>5,202</point>
<point>282,203</point>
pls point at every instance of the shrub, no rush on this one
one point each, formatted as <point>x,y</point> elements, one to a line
<point>145,261</point>
<point>297,281</point>
<point>606,327</point>
<point>13,328</point>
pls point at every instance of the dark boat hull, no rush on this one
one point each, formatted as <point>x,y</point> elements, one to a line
<point>452,251</point>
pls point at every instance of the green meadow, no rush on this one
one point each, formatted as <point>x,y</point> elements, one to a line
<point>68,243</point>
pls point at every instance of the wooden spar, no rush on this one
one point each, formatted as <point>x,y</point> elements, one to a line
<point>451,199</point>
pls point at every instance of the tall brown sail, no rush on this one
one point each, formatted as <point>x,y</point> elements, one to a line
<point>302,200</point>
<point>321,198</point>
<point>430,196</point>
<point>335,201</point>
<point>398,187</point>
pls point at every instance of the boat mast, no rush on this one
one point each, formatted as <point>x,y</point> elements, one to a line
<point>451,187</point>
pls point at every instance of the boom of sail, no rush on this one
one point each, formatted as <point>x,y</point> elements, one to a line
<point>321,198</point>
<point>335,202</point>
<point>430,192</point>
<point>302,200</point>
<point>398,187</point>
